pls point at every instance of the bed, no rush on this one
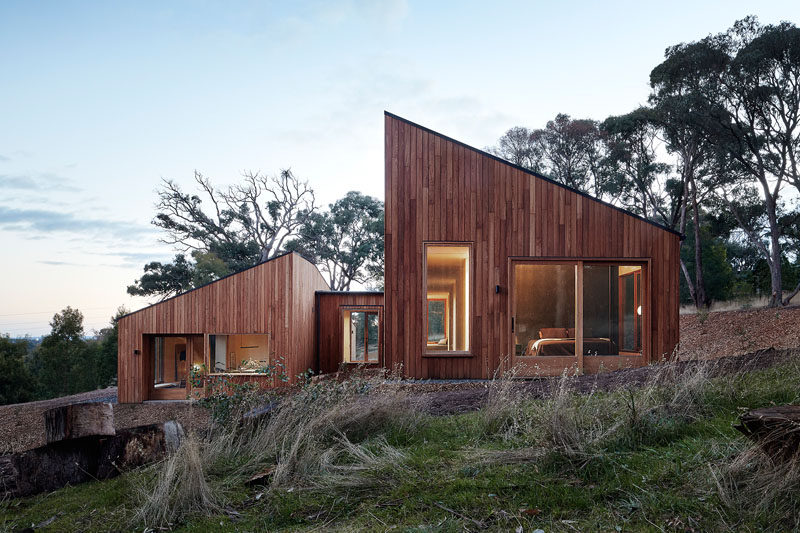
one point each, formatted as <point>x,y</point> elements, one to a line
<point>561,341</point>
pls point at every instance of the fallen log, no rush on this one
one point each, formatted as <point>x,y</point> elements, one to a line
<point>78,460</point>
<point>776,429</point>
<point>79,420</point>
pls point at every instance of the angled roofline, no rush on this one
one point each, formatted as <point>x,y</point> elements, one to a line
<point>279,256</point>
<point>532,173</point>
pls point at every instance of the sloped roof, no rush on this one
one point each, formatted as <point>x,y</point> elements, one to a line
<point>222,278</point>
<point>532,173</point>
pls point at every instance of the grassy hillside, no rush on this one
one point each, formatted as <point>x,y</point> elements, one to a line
<point>662,456</point>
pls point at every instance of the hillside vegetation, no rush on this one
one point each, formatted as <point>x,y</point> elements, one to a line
<point>658,455</point>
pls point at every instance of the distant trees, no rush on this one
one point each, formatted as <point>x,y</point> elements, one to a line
<point>16,383</point>
<point>65,362</point>
<point>221,232</point>
<point>726,109</point>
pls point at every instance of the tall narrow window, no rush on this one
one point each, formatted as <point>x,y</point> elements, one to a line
<point>447,312</point>
<point>361,336</point>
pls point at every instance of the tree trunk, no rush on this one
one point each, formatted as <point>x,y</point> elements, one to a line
<point>776,429</point>
<point>701,297</point>
<point>776,297</point>
<point>689,282</point>
<point>79,420</point>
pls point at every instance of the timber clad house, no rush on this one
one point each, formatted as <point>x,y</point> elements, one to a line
<point>487,266</point>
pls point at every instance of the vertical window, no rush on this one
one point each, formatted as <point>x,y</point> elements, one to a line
<point>170,364</point>
<point>361,336</point>
<point>447,307</point>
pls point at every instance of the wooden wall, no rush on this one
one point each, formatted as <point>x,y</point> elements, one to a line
<point>275,297</point>
<point>330,335</point>
<point>438,189</point>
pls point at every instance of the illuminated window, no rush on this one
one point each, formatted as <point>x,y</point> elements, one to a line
<point>361,329</point>
<point>238,353</point>
<point>447,305</point>
<point>612,309</point>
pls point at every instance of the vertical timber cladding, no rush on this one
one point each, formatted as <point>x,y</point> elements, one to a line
<point>330,332</point>
<point>438,189</point>
<point>275,297</point>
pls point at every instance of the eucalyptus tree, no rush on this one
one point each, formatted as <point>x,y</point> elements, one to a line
<point>745,85</point>
<point>517,146</point>
<point>223,231</point>
<point>675,102</point>
<point>570,151</point>
<point>346,241</point>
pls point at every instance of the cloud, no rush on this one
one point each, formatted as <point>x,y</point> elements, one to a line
<point>59,263</point>
<point>4,158</point>
<point>134,259</point>
<point>40,182</point>
<point>47,221</point>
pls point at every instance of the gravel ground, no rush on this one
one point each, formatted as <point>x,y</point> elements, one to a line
<point>473,397</point>
<point>747,339</point>
<point>722,333</point>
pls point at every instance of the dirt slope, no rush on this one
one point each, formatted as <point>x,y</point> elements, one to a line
<point>725,333</point>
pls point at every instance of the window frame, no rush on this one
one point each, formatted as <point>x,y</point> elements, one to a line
<point>228,372</point>
<point>370,309</point>
<point>646,302</point>
<point>426,352</point>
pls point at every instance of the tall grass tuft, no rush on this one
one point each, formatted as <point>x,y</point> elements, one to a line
<point>178,488</point>
<point>325,435</point>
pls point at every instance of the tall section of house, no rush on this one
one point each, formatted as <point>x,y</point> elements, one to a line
<point>490,265</point>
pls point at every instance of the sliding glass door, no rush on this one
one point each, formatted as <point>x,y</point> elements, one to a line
<point>574,309</point>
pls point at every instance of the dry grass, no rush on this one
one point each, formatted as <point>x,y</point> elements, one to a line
<point>728,305</point>
<point>179,488</point>
<point>753,484</point>
<point>582,426</point>
<point>327,435</point>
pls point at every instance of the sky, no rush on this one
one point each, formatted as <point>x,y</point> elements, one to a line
<point>100,101</point>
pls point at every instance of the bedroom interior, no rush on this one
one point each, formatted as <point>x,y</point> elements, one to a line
<point>547,312</point>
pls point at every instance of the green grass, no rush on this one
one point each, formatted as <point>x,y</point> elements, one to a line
<point>655,477</point>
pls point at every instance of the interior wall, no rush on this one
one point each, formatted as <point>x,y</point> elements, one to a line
<point>247,347</point>
<point>170,374</point>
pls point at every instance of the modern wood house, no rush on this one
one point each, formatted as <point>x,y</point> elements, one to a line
<point>488,266</point>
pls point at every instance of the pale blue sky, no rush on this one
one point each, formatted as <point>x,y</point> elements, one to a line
<point>99,100</point>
